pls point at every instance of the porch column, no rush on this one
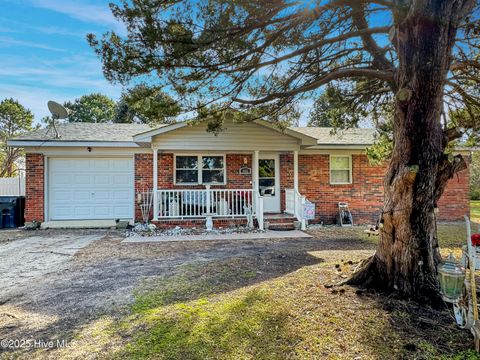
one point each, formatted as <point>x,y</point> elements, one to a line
<point>295,170</point>
<point>155,184</point>
<point>255,170</point>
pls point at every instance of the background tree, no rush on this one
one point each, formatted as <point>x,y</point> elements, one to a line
<point>94,108</point>
<point>146,104</point>
<point>475,176</point>
<point>270,54</point>
<point>335,108</point>
<point>15,120</point>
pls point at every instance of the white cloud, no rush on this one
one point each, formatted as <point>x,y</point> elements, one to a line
<point>9,41</point>
<point>34,81</point>
<point>83,11</point>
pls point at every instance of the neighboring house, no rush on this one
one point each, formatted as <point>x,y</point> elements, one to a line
<point>95,171</point>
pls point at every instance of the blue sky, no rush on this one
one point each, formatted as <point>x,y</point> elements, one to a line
<point>44,54</point>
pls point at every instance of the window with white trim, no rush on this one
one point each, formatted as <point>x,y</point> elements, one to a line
<point>199,169</point>
<point>340,169</point>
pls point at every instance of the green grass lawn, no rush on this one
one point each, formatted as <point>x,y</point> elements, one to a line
<point>294,316</point>
<point>475,210</point>
<point>233,309</point>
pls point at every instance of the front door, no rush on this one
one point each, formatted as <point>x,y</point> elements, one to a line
<point>269,182</point>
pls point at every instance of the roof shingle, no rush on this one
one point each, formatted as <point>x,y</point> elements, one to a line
<point>87,132</point>
<point>327,136</point>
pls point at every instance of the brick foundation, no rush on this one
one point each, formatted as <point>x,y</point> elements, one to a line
<point>34,187</point>
<point>200,223</point>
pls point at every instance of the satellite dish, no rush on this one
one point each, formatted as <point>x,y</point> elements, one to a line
<point>57,110</point>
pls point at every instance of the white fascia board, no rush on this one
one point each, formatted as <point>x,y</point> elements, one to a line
<point>337,146</point>
<point>54,143</point>
<point>305,139</point>
<point>148,135</point>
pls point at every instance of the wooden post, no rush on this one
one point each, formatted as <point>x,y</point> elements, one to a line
<point>155,184</point>
<point>295,170</point>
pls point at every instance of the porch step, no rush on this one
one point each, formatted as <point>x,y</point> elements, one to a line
<point>280,222</point>
<point>279,218</point>
<point>281,227</point>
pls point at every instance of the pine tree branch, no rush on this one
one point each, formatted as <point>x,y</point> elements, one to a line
<point>334,75</point>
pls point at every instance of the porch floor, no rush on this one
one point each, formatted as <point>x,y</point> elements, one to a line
<point>268,216</point>
<point>293,234</point>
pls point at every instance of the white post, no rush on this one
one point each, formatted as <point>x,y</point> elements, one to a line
<point>155,184</point>
<point>295,183</point>
<point>260,213</point>
<point>256,155</point>
<point>303,221</point>
<point>295,170</point>
<point>209,199</point>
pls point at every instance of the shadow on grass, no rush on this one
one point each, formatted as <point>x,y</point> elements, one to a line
<point>411,331</point>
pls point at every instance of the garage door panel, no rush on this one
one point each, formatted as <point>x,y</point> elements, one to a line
<point>119,165</point>
<point>101,164</point>
<point>121,180</point>
<point>82,196</point>
<point>124,196</point>
<point>61,179</point>
<point>83,212</point>
<point>103,212</point>
<point>63,213</point>
<point>81,179</point>
<point>61,196</point>
<point>102,180</point>
<point>121,212</point>
<point>90,188</point>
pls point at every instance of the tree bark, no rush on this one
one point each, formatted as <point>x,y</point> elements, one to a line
<point>407,255</point>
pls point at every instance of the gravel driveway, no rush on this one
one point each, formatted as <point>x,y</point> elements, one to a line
<point>54,283</point>
<point>24,262</point>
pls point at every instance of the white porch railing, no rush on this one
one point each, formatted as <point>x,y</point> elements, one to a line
<point>294,202</point>
<point>197,203</point>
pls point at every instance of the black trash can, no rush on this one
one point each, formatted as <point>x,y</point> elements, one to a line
<point>12,210</point>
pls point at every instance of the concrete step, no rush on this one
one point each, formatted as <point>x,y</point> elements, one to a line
<point>275,219</point>
<point>281,226</point>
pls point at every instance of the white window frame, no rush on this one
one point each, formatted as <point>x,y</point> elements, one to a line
<point>199,169</point>
<point>350,173</point>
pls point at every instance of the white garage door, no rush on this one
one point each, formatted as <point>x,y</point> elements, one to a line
<point>96,188</point>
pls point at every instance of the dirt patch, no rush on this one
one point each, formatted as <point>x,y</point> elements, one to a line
<point>117,293</point>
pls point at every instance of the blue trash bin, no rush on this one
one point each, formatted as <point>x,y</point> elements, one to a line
<point>12,211</point>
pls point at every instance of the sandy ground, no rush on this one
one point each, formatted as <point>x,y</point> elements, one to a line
<point>53,283</point>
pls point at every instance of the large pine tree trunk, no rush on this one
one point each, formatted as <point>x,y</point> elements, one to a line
<point>408,254</point>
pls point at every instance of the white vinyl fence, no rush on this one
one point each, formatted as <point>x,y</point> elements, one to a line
<point>12,186</point>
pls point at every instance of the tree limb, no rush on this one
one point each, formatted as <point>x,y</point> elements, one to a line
<point>334,75</point>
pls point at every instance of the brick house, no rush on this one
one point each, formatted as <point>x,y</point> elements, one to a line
<point>96,172</point>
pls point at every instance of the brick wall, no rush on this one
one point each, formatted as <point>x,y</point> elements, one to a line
<point>34,189</point>
<point>235,180</point>
<point>286,176</point>
<point>365,194</point>
<point>455,201</point>
<point>143,178</point>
